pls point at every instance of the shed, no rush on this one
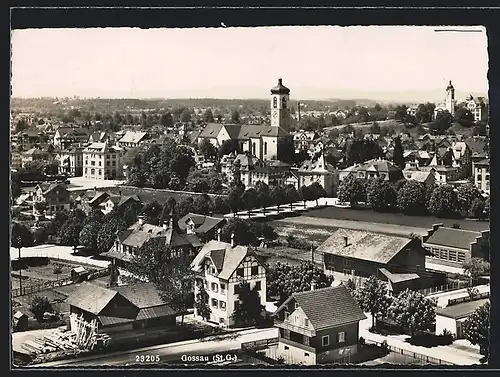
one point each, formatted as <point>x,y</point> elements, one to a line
<point>79,274</point>
<point>452,317</point>
<point>20,320</point>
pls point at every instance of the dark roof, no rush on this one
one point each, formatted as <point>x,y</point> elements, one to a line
<point>280,88</point>
<point>202,223</point>
<point>485,162</point>
<point>242,131</point>
<point>155,312</point>
<point>141,295</point>
<point>458,238</point>
<point>328,307</point>
<point>461,310</point>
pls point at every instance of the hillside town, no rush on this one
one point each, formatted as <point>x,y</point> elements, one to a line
<point>358,235</point>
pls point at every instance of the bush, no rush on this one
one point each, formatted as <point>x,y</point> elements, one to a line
<point>40,305</point>
<point>456,226</point>
<point>361,341</point>
<point>57,270</point>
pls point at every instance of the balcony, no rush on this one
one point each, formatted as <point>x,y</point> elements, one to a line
<point>295,328</point>
<point>297,344</point>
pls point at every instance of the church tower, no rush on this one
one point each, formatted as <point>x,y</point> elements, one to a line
<point>280,112</point>
<point>450,99</point>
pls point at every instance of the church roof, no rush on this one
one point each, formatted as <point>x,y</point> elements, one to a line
<point>450,86</point>
<point>280,88</point>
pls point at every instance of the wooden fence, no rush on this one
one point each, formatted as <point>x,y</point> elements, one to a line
<point>259,344</point>
<point>461,300</point>
<point>17,292</point>
<point>421,358</point>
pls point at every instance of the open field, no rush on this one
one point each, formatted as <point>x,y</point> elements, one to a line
<point>368,215</point>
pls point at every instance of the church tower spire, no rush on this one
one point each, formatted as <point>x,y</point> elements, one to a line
<point>450,98</point>
<point>280,112</point>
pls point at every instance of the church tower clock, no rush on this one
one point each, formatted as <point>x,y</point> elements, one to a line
<point>280,112</point>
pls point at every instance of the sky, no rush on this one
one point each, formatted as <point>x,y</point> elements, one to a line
<point>314,62</point>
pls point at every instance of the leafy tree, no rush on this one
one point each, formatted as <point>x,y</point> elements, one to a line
<point>487,207</point>
<point>208,150</point>
<point>185,206</point>
<point>277,195</point>
<point>263,195</point>
<point>444,201</point>
<point>171,275</point>
<point>476,328</point>
<point>477,208</point>
<point>39,306</point>
<point>89,232</point>
<point>352,190</point>
<point>185,116</point>
<point>413,311</point>
<point>70,232</point>
<point>249,199</point>
<point>382,196</point>
<point>441,123</point>
<point>166,120</point>
<point>375,128</point>
<point>21,237</point>
<point>464,117</point>
<point>152,212</point>
<point>286,150</point>
<point>447,158</point>
<point>466,194</point>
<point>235,117</point>
<point>411,198</point>
<point>249,310</point>
<point>466,164</point>
<point>220,205</point>
<point>283,279</point>
<point>203,204</point>
<point>40,236</point>
<point>400,112</point>
<point>208,116</point>
<point>317,192</point>
<point>234,200</point>
<point>372,297</point>
<point>112,224</point>
<point>475,268</point>
<point>242,230</point>
<point>305,194</point>
<point>229,146</point>
<point>201,303</point>
<point>397,154</point>
<point>291,195</point>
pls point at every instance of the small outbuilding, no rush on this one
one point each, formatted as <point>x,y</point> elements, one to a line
<point>79,274</point>
<point>20,321</point>
<point>452,317</point>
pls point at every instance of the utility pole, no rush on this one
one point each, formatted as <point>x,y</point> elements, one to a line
<point>20,273</point>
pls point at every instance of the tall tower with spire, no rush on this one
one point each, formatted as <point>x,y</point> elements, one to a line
<point>280,112</point>
<point>450,99</point>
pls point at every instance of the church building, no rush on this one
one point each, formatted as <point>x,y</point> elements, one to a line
<point>260,140</point>
<point>449,103</point>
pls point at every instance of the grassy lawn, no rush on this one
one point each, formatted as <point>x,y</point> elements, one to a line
<point>395,358</point>
<point>368,215</point>
<point>311,233</point>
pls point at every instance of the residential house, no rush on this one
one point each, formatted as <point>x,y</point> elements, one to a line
<point>71,161</point>
<point>100,137</point>
<point>449,246</point>
<point>444,174</point>
<point>382,169</point>
<point>90,200</point>
<point>412,111</point>
<point>478,146</point>
<point>28,139</point>
<point>320,326</point>
<point>55,196</point>
<point>416,158</point>
<point>349,254</point>
<point>16,159</point>
<point>102,161</point>
<point>117,310</point>
<point>109,203</point>
<point>318,171</point>
<point>453,317</point>
<point>66,137</point>
<point>35,154</point>
<point>481,171</point>
<point>428,177</point>
<point>133,139</point>
<point>304,140</point>
<point>129,241</point>
<point>477,106</point>
<point>221,268</point>
<point>205,227</point>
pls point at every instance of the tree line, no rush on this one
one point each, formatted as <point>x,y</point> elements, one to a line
<point>414,198</point>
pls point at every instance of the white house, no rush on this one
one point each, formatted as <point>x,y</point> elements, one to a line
<point>452,317</point>
<point>220,268</point>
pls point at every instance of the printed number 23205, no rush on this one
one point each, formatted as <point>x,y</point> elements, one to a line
<point>147,358</point>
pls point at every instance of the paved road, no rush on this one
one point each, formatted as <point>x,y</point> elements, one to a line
<point>56,252</point>
<point>172,352</point>
<point>397,230</point>
<point>446,353</point>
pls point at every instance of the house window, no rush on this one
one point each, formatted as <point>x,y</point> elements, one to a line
<point>212,270</point>
<point>325,340</point>
<point>222,287</point>
<point>452,255</point>
<point>240,272</point>
<point>286,347</point>
<point>306,322</point>
<point>236,289</point>
<point>222,321</point>
<point>286,334</point>
<point>341,337</point>
<point>258,286</point>
<point>215,303</point>
<point>306,354</point>
<point>265,147</point>
<point>287,315</point>
<point>255,270</point>
<point>296,305</point>
<point>236,305</point>
<point>306,340</point>
<point>347,262</point>
<point>443,254</point>
<point>461,257</point>
<point>275,102</point>
<point>215,287</point>
<point>222,305</point>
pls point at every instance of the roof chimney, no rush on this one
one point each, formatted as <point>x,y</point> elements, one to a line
<point>346,241</point>
<point>218,234</point>
<point>313,285</point>
<point>141,219</point>
<point>232,239</point>
<point>164,225</point>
